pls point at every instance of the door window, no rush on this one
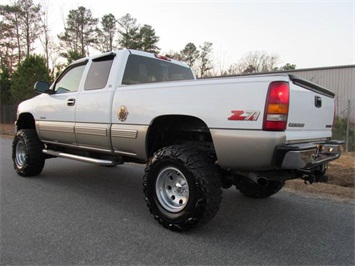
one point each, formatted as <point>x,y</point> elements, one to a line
<point>69,81</point>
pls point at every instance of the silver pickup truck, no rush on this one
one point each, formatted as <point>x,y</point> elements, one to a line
<point>196,136</point>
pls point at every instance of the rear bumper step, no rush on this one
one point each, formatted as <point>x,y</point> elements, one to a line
<point>307,155</point>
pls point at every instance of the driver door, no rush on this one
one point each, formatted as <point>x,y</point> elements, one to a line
<point>55,117</point>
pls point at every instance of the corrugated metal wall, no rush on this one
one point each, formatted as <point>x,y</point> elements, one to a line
<point>340,80</point>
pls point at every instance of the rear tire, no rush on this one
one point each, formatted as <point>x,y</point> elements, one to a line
<point>182,187</point>
<point>27,155</point>
<point>250,189</point>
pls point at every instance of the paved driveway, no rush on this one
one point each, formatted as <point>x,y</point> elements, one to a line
<point>76,213</point>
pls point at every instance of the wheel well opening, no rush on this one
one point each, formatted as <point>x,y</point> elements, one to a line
<point>178,129</point>
<point>25,121</point>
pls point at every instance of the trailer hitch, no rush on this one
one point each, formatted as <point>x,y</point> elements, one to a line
<point>315,175</point>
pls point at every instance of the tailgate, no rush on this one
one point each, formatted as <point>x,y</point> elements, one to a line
<point>311,111</point>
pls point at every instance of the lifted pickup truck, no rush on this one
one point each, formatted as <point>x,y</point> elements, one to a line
<point>196,136</point>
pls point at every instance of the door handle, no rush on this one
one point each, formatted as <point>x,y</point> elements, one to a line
<point>71,102</point>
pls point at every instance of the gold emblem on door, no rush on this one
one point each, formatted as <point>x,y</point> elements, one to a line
<point>122,113</point>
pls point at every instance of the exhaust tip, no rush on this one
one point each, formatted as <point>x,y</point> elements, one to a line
<point>262,181</point>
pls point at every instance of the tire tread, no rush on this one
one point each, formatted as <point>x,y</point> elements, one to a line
<point>206,177</point>
<point>34,158</point>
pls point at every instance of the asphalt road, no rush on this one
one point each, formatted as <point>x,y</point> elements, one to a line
<point>82,214</point>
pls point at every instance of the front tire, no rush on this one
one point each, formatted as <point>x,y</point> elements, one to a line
<point>182,187</point>
<point>27,155</point>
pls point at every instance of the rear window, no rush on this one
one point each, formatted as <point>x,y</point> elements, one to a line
<point>140,69</point>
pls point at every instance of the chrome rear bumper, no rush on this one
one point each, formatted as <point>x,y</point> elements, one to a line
<point>307,155</point>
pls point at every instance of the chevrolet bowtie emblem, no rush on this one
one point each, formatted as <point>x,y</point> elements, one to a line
<point>122,113</point>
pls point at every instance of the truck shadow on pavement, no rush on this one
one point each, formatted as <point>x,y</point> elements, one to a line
<point>101,210</point>
<point>121,188</point>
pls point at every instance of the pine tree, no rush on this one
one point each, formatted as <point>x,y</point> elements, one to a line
<point>190,54</point>
<point>5,86</point>
<point>106,36</point>
<point>205,62</point>
<point>147,39</point>
<point>31,70</point>
<point>80,31</point>
<point>20,27</point>
<point>129,32</point>
<point>133,36</point>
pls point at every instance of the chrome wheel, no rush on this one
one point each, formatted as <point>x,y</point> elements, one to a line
<point>182,187</point>
<point>172,189</point>
<point>20,154</point>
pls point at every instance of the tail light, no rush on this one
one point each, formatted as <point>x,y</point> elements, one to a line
<point>335,113</point>
<point>276,108</point>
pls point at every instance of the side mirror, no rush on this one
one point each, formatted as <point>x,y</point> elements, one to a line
<point>42,87</point>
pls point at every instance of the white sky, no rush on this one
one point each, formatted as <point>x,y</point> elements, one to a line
<point>305,33</point>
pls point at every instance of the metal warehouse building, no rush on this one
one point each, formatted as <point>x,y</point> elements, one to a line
<point>339,79</point>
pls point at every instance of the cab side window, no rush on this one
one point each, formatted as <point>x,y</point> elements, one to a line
<point>69,81</point>
<point>99,72</point>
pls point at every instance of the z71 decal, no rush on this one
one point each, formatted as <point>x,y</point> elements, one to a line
<point>241,115</point>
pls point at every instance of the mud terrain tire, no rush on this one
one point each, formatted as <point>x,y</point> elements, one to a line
<point>27,155</point>
<point>182,187</point>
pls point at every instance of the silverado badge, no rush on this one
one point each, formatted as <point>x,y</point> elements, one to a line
<point>122,113</point>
